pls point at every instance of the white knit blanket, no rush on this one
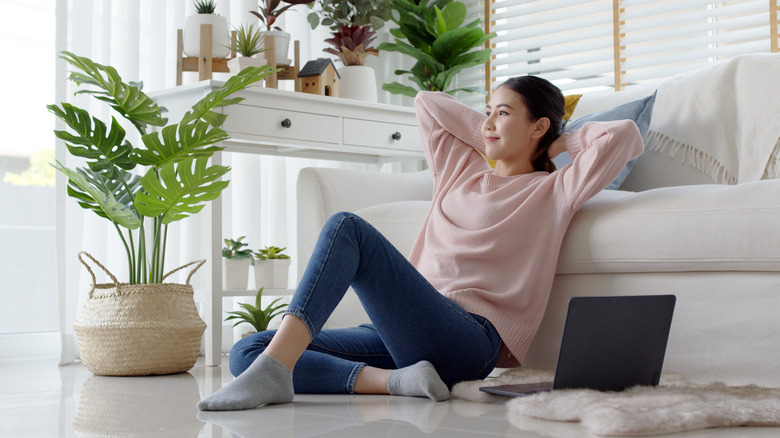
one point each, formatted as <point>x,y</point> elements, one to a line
<point>723,120</point>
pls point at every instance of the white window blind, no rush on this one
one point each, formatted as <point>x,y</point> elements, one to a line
<point>586,45</point>
<point>569,42</point>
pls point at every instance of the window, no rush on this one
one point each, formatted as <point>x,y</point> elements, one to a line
<point>588,45</point>
<point>27,195</point>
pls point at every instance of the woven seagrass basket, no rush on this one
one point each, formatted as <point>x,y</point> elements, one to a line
<point>139,329</point>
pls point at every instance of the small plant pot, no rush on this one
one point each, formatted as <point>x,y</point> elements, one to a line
<point>235,274</point>
<point>281,45</point>
<point>272,273</point>
<point>358,82</point>
<point>239,63</point>
<point>220,43</point>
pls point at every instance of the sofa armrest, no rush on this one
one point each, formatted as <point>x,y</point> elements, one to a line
<point>322,192</point>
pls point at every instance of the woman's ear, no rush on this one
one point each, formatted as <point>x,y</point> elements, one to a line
<point>540,127</point>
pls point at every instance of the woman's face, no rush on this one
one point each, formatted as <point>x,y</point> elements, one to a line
<point>510,136</point>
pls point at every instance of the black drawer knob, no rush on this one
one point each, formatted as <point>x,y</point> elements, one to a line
<point>396,135</point>
<point>286,123</point>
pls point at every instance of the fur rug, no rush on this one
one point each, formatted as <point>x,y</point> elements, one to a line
<point>673,406</point>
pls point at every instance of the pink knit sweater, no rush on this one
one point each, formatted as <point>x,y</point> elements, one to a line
<point>491,243</point>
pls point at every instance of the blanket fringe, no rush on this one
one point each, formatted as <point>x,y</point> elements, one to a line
<point>773,166</point>
<point>690,156</point>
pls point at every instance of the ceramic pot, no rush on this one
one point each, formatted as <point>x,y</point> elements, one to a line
<point>235,274</point>
<point>239,63</point>
<point>272,273</point>
<point>220,39</point>
<point>358,82</point>
<point>281,45</point>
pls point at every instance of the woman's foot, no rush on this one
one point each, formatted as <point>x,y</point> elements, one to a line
<point>267,381</point>
<point>418,380</point>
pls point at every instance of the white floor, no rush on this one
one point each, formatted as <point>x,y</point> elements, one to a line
<point>40,399</point>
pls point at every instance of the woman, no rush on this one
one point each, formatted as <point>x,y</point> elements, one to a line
<point>473,292</point>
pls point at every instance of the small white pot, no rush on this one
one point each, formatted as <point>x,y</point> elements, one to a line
<point>281,45</point>
<point>239,63</point>
<point>220,36</point>
<point>358,82</point>
<point>235,274</point>
<point>271,274</point>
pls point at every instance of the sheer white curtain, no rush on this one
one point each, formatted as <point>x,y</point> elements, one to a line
<point>138,38</point>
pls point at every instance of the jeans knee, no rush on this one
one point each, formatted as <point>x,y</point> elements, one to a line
<point>338,218</point>
<point>245,351</point>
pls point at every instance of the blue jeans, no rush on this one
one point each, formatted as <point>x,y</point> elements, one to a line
<point>411,321</point>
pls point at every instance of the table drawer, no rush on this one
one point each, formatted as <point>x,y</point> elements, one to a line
<point>359,132</point>
<point>292,125</point>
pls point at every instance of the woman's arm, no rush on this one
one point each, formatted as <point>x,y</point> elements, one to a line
<point>446,124</point>
<point>599,151</point>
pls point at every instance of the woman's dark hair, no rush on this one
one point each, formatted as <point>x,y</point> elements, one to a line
<point>543,99</point>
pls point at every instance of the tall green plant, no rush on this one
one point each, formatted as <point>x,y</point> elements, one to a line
<point>178,180</point>
<point>436,37</point>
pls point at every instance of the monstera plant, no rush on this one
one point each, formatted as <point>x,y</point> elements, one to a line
<point>142,188</point>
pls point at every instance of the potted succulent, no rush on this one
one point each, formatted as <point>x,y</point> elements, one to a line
<point>353,24</point>
<point>271,267</point>
<point>269,12</point>
<point>257,316</point>
<point>220,39</point>
<point>141,189</point>
<point>235,264</point>
<point>436,37</point>
<point>248,43</point>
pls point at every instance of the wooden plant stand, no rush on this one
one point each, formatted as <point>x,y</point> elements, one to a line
<point>206,65</point>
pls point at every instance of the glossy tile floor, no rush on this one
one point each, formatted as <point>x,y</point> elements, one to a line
<point>40,399</point>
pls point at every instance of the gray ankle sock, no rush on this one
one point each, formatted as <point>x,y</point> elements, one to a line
<point>267,381</point>
<point>418,380</point>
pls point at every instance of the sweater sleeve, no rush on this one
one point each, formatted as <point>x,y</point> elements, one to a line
<point>599,151</point>
<point>445,124</point>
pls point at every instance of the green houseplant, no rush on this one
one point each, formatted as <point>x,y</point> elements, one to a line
<point>436,37</point>
<point>271,267</point>
<point>177,181</point>
<point>248,42</point>
<point>353,24</point>
<point>235,264</point>
<point>257,316</point>
<point>269,12</point>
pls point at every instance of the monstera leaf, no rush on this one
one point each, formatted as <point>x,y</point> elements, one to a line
<point>218,98</point>
<point>103,148</point>
<point>126,98</point>
<point>97,194</point>
<point>177,142</point>
<point>182,189</point>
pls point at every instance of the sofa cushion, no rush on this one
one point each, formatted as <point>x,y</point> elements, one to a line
<point>640,111</point>
<point>688,228</point>
<point>399,222</point>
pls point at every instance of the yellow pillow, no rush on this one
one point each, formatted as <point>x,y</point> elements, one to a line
<point>570,102</point>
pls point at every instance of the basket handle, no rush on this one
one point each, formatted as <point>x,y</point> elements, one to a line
<point>94,280</point>
<point>198,262</point>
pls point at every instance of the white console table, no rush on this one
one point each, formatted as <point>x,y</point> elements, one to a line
<point>286,123</point>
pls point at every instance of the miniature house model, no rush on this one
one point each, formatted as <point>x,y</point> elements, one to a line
<point>320,77</point>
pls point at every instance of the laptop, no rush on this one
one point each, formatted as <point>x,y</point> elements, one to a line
<point>608,344</point>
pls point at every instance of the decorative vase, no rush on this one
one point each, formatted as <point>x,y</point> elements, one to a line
<point>239,63</point>
<point>358,82</point>
<point>220,37</point>
<point>235,274</point>
<point>281,43</point>
<point>139,329</point>
<point>271,273</point>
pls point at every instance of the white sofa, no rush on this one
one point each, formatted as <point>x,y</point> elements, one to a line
<point>668,230</point>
